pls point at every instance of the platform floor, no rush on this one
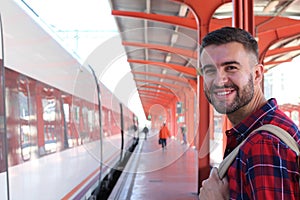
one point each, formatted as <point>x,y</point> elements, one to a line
<point>156,174</point>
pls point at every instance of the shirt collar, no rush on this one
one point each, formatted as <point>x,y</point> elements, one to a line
<point>241,130</point>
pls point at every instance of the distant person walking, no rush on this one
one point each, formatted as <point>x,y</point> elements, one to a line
<point>145,130</point>
<point>183,132</point>
<point>164,133</point>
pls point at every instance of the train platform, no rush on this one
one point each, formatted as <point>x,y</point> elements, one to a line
<point>156,173</point>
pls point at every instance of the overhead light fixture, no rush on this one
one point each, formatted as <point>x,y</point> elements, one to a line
<point>168,58</point>
<point>182,10</point>
<point>270,6</point>
<point>174,38</point>
<point>164,71</point>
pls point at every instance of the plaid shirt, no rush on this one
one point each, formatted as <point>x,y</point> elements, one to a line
<point>265,168</point>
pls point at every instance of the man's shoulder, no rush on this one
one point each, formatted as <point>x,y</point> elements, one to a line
<point>267,138</point>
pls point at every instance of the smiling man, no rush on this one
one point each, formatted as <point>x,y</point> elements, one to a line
<point>265,167</point>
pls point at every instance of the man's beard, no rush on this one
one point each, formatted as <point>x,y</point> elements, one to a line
<point>242,98</point>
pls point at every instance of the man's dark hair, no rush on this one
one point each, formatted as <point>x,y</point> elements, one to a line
<point>230,34</point>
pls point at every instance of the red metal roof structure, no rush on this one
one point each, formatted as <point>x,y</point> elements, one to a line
<point>161,39</point>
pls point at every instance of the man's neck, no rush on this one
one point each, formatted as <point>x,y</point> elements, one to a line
<point>256,103</point>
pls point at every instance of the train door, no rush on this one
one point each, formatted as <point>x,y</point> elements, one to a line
<point>25,136</point>
<point>50,131</point>
<point>65,108</point>
<point>75,124</point>
<point>49,105</point>
<point>53,130</point>
<point>85,124</point>
<point>20,118</point>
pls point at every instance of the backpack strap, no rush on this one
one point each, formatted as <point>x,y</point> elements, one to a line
<point>275,130</point>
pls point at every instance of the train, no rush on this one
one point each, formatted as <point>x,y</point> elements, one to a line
<point>62,132</point>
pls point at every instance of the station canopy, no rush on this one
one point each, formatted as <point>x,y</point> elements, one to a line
<point>160,39</point>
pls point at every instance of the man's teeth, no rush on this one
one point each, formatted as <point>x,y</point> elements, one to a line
<point>223,93</point>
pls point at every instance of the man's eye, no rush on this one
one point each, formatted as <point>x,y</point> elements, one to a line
<point>209,71</point>
<point>230,68</point>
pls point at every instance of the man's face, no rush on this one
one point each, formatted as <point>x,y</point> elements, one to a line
<point>228,80</point>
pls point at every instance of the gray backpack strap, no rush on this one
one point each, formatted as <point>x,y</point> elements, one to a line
<point>275,130</point>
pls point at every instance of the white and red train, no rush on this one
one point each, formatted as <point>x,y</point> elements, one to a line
<point>58,137</point>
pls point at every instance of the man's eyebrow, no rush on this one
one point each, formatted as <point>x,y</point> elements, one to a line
<point>230,63</point>
<point>222,64</point>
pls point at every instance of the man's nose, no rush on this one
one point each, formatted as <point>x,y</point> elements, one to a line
<point>221,78</point>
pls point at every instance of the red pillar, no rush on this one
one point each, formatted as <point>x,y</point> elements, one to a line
<point>204,156</point>
<point>203,12</point>
<point>243,15</point>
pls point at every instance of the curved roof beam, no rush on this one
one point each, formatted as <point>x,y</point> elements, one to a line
<point>270,37</point>
<point>179,68</point>
<point>180,51</point>
<point>159,83</point>
<point>149,96</point>
<point>174,78</point>
<point>264,23</point>
<point>264,37</point>
<point>180,21</point>
<point>156,93</point>
<point>278,51</point>
<point>166,90</point>
<point>150,101</point>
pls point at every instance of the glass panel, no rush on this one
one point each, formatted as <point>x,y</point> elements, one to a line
<point>25,137</point>
<point>66,111</point>
<point>49,106</point>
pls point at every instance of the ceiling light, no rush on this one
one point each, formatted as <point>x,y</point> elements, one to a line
<point>271,5</point>
<point>182,10</point>
<point>174,38</point>
<point>168,58</point>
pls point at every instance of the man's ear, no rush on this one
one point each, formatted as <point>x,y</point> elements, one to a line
<point>258,73</point>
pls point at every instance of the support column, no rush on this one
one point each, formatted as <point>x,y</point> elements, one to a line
<point>243,15</point>
<point>204,154</point>
<point>203,12</point>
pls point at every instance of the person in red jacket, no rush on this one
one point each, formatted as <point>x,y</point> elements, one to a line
<point>164,133</point>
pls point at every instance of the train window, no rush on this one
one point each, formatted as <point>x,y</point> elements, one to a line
<point>66,108</point>
<point>91,120</point>
<point>84,129</point>
<point>49,116</point>
<point>49,109</point>
<point>85,118</point>
<point>24,110</point>
<point>109,117</point>
<point>25,134</point>
<point>96,117</point>
<point>96,130</point>
<point>73,125</point>
<point>76,111</point>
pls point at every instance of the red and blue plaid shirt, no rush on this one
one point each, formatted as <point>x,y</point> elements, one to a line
<point>265,168</point>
